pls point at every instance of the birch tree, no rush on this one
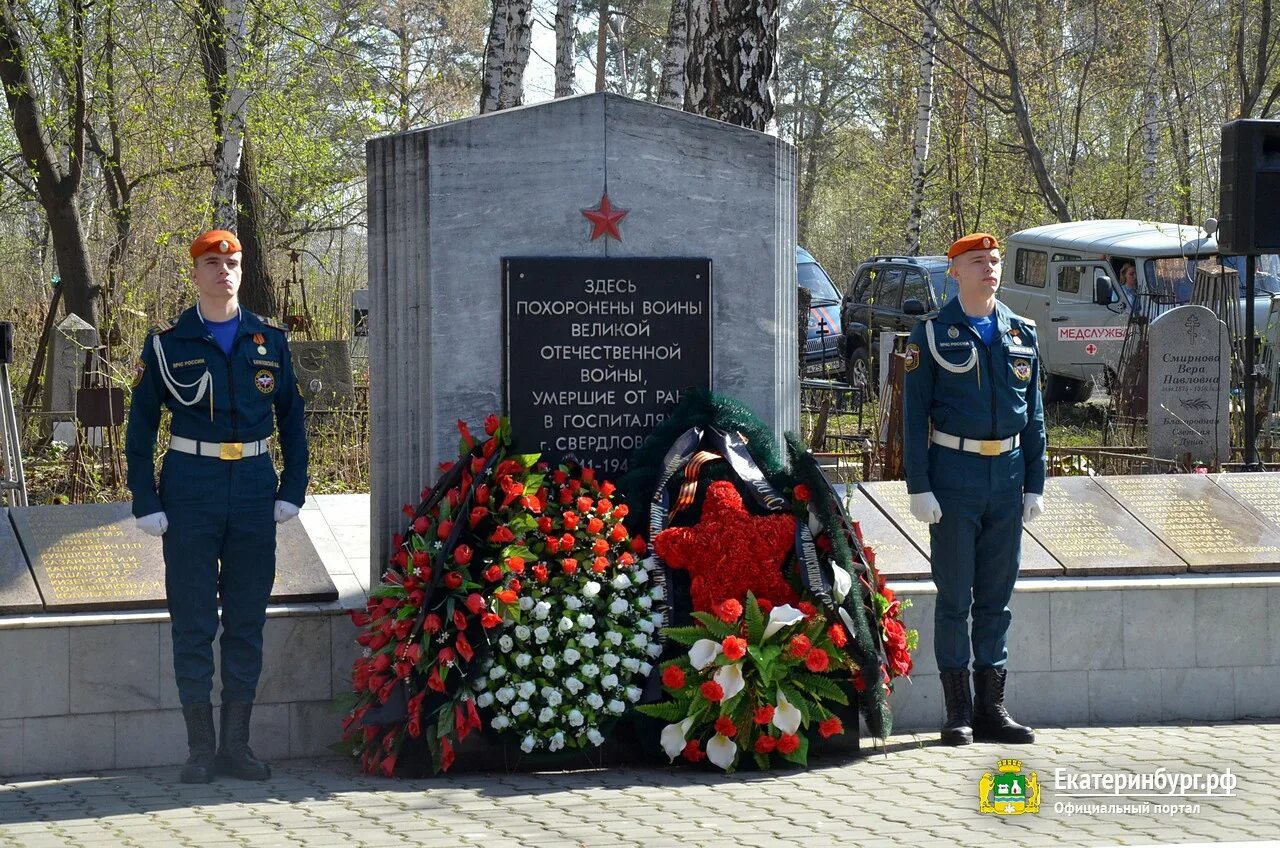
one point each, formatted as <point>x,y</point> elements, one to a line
<point>674,57</point>
<point>506,55</point>
<point>924,121</point>
<point>566,41</point>
<point>733,46</point>
<point>222,33</point>
<point>495,54</point>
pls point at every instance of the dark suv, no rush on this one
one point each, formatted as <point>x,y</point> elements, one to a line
<point>824,342</point>
<point>889,293</point>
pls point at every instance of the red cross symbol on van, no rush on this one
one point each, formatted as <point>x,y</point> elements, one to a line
<point>1091,348</point>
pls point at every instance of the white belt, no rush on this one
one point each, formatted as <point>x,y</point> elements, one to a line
<point>222,450</point>
<point>986,447</point>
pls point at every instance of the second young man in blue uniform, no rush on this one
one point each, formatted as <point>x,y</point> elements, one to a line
<point>226,376</point>
<point>974,452</point>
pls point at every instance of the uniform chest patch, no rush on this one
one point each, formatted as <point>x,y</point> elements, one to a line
<point>912,357</point>
<point>1022,369</point>
<point>265,381</point>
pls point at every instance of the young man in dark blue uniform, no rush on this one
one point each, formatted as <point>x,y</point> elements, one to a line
<point>974,452</point>
<point>226,376</point>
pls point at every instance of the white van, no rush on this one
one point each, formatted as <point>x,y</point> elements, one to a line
<point>1066,277</point>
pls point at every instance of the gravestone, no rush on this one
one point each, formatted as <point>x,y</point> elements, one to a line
<point>323,370</point>
<point>897,558</point>
<point>69,346</point>
<point>1188,383</point>
<point>597,177</point>
<point>1197,519</point>
<point>1091,535</point>
<point>91,557</point>
<point>18,592</point>
<point>892,499</point>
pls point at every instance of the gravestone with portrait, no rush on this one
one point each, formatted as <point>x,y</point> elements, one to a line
<point>1188,385</point>
<point>577,265</point>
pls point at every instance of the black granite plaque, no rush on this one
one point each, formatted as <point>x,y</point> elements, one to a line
<point>1086,530</point>
<point>598,351</point>
<point>892,499</point>
<point>1195,517</point>
<point>897,558</point>
<point>91,557</point>
<point>18,592</point>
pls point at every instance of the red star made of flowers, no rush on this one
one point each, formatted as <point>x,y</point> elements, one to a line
<point>730,551</point>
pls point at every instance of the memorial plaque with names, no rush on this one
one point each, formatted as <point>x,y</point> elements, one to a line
<point>1090,534</point>
<point>892,499</point>
<point>18,592</point>
<point>91,557</point>
<point>1197,519</point>
<point>1260,491</point>
<point>599,351</point>
<point>896,557</point>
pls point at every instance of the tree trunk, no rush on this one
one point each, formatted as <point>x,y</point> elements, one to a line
<point>602,42</point>
<point>675,55</point>
<point>222,33</point>
<point>811,146</point>
<point>495,51</point>
<point>733,47</point>
<point>566,32</point>
<point>519,31</point>
<point>57,186</point>
<point>924,122</point>
<point>1150,125</point>
<point>257,294</point>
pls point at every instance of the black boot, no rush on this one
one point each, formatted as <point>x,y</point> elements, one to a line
<point>955,691</point>
<point>200,744</point>
<point>234,757</point>
<point>991,721</point>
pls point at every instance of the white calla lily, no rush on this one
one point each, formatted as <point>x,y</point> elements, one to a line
<point>785,716</point>
<point>841,583</point>
<point>730,679</point>
<point>722,751</point>
<point>780,617</point>
<point>703,653</point>
<point>673,738</point>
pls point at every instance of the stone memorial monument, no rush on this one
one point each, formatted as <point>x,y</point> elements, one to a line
<point>1188,383</point>
<point>458,211</point>
<point>18,592</point>
<point>324,373</point>
<point>70,344</point>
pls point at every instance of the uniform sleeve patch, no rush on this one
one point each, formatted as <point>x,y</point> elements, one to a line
<point>912,356</point>
<point>139,371</point>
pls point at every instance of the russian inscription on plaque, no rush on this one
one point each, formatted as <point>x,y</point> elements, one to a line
<point>892,499</point>
<point>1198,520</point>
<point>1090,534</point>
<point>1188,381</point>
<point>17,590</point>
<point>91,557</point>
<point>598,351</point>
<point>1260,491</point>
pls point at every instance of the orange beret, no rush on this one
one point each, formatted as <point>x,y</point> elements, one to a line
<point>222,241</point>
<point>973,241</point>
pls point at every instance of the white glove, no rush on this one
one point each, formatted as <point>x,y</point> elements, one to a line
<point>285,511</point>
<point>1032,507</point>
<point>154,524</point>
<point>925,507</point>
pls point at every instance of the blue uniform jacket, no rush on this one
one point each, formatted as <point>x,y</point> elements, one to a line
<point>997,396</point>
<point>247,387</point>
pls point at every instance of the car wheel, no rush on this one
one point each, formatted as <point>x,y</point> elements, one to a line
<point>857,370</point>
<point>1060,389</point>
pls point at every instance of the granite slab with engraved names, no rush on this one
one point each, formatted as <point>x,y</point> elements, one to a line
<point>1260,491</point>
<point>892,499</point>
<point>897,558</point>
<point>1086,530</point>
<point>89,557</point>
<point>18,593</point>
<point>1196,517</point>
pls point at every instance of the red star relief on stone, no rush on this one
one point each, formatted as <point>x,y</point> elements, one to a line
<point>604,219</point>
<point>730,551</point>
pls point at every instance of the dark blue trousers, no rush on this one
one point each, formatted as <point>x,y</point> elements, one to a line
<point>975,552</point>
<point>221,544</point>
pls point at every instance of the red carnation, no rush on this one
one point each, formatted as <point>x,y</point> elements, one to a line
<point>693,752</point>
<point>725,727</point>
<point>638,544</point>
<point>462,554</point>
<point>729,610</point>
<point>859,682</point>
<point>763,715</point>
<point>673,677</point>
<point>838,637</point>
<point>453,579</point>
<point>817,660</point>
<point>712,691</point>
<point>734,647</point>
<point>765,744</point>
<point>799,646</point>
<point>807,608</point>
<point>788,743</point>
<point>765,605</point>
<point>830,727</point>
<point>801,492</point>
<point>474,602</point>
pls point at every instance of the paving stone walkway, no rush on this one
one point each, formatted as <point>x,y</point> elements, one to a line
<point>914,793</point>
